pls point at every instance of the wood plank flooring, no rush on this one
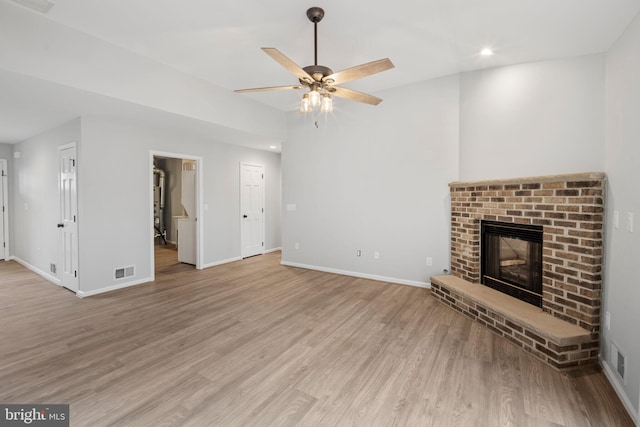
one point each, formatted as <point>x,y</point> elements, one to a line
<point>254,343</point>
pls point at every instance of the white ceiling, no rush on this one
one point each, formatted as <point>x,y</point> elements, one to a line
<point>220,41</point>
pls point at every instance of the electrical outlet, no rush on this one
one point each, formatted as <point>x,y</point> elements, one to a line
<point>630,222</point>
<point>297,245</point>
<point>429,261</point>
<point>376,255</point>
<point>616,219</point>
<point>607,320</point>
<point>358,252</point>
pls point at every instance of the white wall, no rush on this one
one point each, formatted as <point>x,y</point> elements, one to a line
<point>6,151</point>
<point>114,201</point>
<point>533,119</point>
<point>374,179</point>
<point>622,161</point>
<point>38,47</point>
<point>35,204</point>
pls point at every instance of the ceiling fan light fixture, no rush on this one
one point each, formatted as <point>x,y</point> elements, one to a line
<point>314,97</point>
<point>327,103</point>
<point>305,104</point>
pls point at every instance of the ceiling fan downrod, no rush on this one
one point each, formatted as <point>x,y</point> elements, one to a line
<point>315,15</point>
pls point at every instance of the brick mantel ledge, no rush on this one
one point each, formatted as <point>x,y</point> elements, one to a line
<point>588,176</point>
<point>554,341</point>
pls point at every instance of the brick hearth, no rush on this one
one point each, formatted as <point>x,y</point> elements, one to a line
<point>570,208</point>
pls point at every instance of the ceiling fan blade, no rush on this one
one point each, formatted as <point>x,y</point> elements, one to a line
<point>354,95</point>
<point>265,89</point>
<point>359,71</point>
<point>291,66</point>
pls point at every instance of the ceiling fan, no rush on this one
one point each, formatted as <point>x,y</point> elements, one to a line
<point>320,80</point>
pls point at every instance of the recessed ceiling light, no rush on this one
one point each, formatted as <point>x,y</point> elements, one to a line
<point>273,147</point>
<point>486,51</point>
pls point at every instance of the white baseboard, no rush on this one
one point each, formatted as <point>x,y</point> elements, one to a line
<point>36,270</point>
<point>83,294</point>
<point>234,259</point>
<point>224,261</point>
<point>361,275</point>
<point>615,383</point>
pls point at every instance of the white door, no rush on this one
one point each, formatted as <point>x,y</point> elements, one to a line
<point>252,209</point>
<point>68,216</point>
<point>4,214</point>
<point>187,247</point>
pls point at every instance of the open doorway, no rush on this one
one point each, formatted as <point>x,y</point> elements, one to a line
<point>176,222</point>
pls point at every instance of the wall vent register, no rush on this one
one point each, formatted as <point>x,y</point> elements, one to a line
<point>121,273</point>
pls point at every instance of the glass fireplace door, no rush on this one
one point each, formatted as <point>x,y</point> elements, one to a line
<point>512,260</point>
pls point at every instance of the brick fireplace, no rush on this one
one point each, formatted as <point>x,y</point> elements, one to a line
<point>570,209</point>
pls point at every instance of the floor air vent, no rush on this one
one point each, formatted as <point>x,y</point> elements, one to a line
<point>123,272</point>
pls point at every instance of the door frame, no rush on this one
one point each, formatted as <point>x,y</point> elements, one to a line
<point>264,192</point>
<point>5,203</point>
<point>199,205</point>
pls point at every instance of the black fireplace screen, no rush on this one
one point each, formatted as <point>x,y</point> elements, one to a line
<point>512,260</point>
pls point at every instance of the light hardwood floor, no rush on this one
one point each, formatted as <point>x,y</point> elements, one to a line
<point>256,343</point>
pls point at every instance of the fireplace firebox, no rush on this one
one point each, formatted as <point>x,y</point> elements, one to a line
<point>511,259</point>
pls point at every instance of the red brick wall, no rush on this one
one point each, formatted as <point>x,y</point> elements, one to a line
<point>569,207</point>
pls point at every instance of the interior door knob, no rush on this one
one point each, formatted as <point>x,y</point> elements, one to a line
<point>244,216</point>
<point>60,225</point>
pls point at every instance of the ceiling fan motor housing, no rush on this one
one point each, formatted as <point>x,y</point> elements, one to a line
<point>318,72</point>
